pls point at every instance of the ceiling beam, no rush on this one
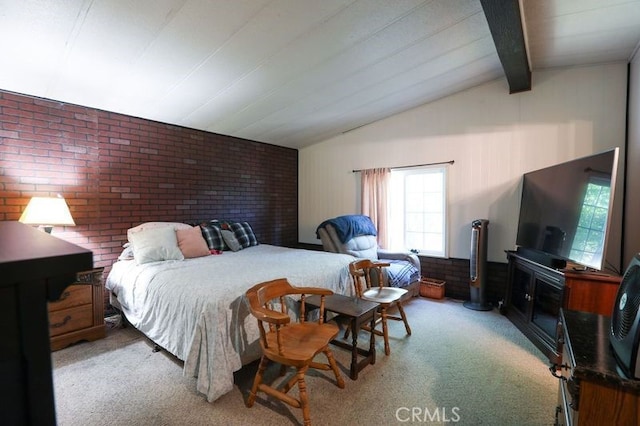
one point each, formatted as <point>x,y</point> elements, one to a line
<point>505,24</point>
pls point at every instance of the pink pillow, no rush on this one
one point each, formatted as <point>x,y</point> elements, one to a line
<point>192,243</point>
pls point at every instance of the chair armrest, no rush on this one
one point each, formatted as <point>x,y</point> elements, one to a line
<point>312,290</point>
<point>270,316</point>
<point>398,255</point>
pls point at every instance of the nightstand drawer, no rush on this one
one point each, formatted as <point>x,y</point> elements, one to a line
<point>79,314</point>
<point>71,319</point>
<point>74,295</point>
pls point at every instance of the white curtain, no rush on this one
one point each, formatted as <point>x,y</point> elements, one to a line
<point>374,200</point>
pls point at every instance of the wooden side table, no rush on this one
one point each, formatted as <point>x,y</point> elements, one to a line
<point>79,313</point>
<point>358,312</point>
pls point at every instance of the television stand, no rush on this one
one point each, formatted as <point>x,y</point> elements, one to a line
<point>536,292</point>
<point>542,258</point>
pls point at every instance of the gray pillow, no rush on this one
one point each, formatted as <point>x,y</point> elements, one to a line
<point>231,240</point>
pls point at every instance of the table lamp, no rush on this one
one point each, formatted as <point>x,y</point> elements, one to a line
<point>47,212</point>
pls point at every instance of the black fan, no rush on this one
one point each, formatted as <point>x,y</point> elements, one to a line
<point>625,321</point>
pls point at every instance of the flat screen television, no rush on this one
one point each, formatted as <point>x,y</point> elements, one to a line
<point>565,211</point>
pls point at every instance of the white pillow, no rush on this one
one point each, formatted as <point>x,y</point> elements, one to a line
<point>155,244</point>
<point>127,253</point>
<point>154,225</point>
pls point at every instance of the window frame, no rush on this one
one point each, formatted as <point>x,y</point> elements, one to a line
<point>397,196</point>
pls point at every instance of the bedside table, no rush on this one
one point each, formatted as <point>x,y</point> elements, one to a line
<point>79,313</point>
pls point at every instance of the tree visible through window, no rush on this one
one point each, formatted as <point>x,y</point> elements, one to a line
<point>588,240</point>
<point>417,210</point>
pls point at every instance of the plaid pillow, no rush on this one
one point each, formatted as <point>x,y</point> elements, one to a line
<point>244,234</point>
<point>212,236</point>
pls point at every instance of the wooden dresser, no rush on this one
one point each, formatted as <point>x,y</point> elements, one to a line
<point>35,268</point>
<point>78,315</point>
<point>592,391</point>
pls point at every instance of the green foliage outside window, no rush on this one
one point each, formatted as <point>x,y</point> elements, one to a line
<point>592,223</point>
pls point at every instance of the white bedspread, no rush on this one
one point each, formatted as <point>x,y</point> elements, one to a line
<point>196,308</point>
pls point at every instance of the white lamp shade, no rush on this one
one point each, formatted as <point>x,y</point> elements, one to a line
<point>47,211</point>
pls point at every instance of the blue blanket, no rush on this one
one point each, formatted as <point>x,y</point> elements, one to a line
<point>350,226</point>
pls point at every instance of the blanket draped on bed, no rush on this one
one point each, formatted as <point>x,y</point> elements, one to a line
<point>196,308</point>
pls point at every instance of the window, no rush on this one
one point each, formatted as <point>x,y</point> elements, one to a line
<point>593,221</point>
<point>417,210</point>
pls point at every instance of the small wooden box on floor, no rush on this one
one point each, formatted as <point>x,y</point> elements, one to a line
<point>79,313</point>
<point>431,288</point>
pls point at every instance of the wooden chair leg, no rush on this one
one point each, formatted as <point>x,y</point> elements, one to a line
<point>290,384</point>
<point>385,331</point>
<point>404,318</point>
<point>304,398</point>
<point>257,380</point>
<point>334,367</point>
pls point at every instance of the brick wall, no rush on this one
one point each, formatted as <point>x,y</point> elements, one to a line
<point>455,272</point>
<point>117,171</point>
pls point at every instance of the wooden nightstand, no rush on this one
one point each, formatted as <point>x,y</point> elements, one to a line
<point>79,313</point>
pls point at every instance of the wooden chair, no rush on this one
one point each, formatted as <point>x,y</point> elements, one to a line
<point>369,288</point>
<point>289,343</point>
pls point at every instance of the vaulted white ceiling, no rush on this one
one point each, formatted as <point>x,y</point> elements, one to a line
<point>286,72</point>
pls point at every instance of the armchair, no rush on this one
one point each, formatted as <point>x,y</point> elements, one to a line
<point>356,235</point>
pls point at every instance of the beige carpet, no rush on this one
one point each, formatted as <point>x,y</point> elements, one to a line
<point>459,366</point>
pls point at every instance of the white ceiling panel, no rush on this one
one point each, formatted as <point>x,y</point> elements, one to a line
<point>575,32</point>
<point>418,38</point>
<point>184,43</point>
<point>324,39</point>
<point>365,108</point>
<point>417,81</point>
<point>286,72</point>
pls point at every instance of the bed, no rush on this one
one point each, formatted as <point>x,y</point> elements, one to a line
<point>195,308</point>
